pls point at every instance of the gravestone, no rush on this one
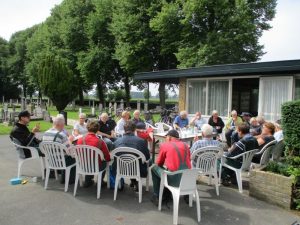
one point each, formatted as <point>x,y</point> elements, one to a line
<point>145,106</point>
<point>2,116</point>
<point>23,104</point>
<point>109,107</point>
<point>138,105</point>
<point>122,104</point>
<point>38,112</point>
<point>29,108</point>
<point>10,102</point>
<point>115,108</point>
<point>80,110</point>
<point>93,111</point>
<point>100,107</point>
<point>46,116</point>
<point>73,105</point>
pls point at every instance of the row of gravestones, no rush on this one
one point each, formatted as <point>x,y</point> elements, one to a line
<point>114,107</point>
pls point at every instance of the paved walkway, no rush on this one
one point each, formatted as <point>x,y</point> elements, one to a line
<point>31,204</point>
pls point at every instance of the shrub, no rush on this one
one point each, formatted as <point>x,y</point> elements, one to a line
<point>291,127</point>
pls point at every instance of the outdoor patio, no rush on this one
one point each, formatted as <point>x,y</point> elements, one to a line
<point>31,204</point>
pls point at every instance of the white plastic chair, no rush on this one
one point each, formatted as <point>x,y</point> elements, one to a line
<point>205,160</point>
<point>22,159</point>
<point>246,163</point>
<point>187,186</point>
<point>87,163</point>
<point>55,160</point>
<point>128,166</point>
<point>161,127</point>
<point>265,153</point>
<point>148,125</point>
<point>277,150</point>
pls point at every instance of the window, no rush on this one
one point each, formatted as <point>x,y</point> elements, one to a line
<point>208,95</point>
<point>297,89</point>
<point>218,97</point>
<point>274,91</point>
<point>197,96</point>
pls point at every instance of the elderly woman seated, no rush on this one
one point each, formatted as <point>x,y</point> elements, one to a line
<point>80,127</point>
<point>216,122</point>
<point>266,136</point>
<point>92,140</point>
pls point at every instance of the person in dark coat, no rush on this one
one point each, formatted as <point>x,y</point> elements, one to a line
<point>216,122</point>
<point>130,140</point>
<point>21,133</point>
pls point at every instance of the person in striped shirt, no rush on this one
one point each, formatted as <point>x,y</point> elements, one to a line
<point>207,140</point>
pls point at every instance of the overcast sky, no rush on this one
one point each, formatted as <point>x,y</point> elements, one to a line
<point>281,42</point>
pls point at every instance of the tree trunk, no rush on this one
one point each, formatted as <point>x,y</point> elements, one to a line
<point>24,90</point>
<point>80,93</point>
<point>162,94</point>
<point>100,89</point>
<point>127,90</point>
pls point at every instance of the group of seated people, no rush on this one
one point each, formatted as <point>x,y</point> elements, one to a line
<point>174,154</point>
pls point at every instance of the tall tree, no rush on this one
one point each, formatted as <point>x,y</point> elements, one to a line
<point>138,47</point>
<point>214,32</point>
<point>8,89</point>
<point>97,64</point>
<point>57,81</point>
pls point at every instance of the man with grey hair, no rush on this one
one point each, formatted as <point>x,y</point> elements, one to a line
<point>106,131</point>
<point>182,120</point>
<point>58,134</point>
<point>207,140</point>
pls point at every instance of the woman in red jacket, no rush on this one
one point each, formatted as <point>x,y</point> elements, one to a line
<point>92,139</point>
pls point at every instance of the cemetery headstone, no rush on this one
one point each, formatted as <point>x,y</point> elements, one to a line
<point>122,104</point>
<point>109,107</point>
<point>80,110</point>
<point>10,102</point>
<point>138,105</point>
<point>93,111</point>
<point>145,106</point>
<point>100,107</point>
<point>115,108</point>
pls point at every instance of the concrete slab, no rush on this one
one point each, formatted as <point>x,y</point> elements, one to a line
<point>31,204</point>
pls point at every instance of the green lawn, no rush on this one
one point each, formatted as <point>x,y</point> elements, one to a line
<point>43,124</point>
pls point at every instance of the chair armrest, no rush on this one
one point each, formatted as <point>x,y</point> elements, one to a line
<point>33,151</point>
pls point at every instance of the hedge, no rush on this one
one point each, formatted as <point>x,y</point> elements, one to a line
<point>290,112</point>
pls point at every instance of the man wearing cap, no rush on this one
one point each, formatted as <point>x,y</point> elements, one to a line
<point>21,133</point>
<point>173,155</point>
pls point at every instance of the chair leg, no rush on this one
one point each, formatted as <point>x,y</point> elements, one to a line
<point>20,163</point>
<point>161,190</point>
<point>67,177</point>
<point>198,206</point>
<point>47,178</point>
<point>56,174</point>
<point>175,207</point>
<point>43,167</point>
<point>190,200</point>
<point>81,180</point>
<point>76,183</point>
<point>147,182</point>
<point>209,180</point>
<point>108,176</point>
<point>99,185</point>
<point>220,173</point>
<point>140,190</point>
<point>239,180</point>
<point>116,187</point>
<point>216,183</point>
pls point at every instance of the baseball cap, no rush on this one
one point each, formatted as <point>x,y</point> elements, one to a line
<point>173,133</point>
<point>24,113</point>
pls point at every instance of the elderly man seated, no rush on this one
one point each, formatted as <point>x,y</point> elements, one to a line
<point>181,121</point>
<point>58,134</point>
<point>132,141</point>
<point>230,126</point>
<point>136,117</point>
<point>246,143</point>
<point>106,130</point>
<point>207,140</point>
<point>198,121</point>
